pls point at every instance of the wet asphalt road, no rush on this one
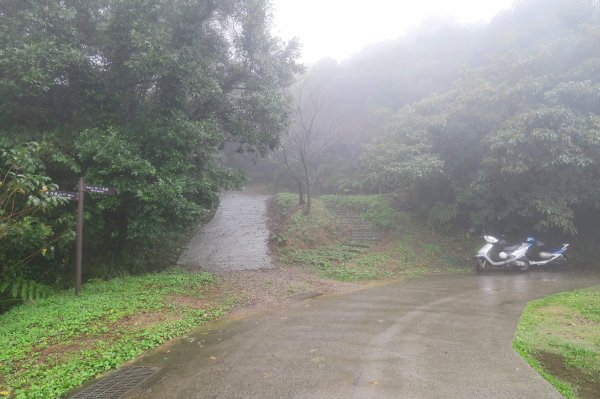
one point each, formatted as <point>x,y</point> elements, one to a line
<point>235,239</point>
<point>435,337</point>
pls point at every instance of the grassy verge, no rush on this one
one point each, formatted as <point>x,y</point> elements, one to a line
<point>53,345</point>
<point>559,336</point>
<point>410,249</point>
<point>375,209</point>
<point>299,230</point>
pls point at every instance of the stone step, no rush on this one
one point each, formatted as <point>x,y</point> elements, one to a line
<point>359,232</point>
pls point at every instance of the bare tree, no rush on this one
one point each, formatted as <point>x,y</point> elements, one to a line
<point>311,136</point>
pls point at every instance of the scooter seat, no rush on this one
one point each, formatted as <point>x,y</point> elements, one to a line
<point>511,248</point>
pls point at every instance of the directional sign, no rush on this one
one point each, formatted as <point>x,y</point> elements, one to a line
<point>79,196</point>
<point>99,189</point>
<point>70,195</point>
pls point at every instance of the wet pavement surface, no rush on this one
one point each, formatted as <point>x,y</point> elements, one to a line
<point>435,337</point>
<point>235,239</point>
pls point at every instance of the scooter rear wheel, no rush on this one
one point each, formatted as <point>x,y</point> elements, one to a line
<point>525,267</point>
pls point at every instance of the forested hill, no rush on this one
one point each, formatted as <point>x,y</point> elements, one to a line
<point>435,55</point>
<point>493,127</point>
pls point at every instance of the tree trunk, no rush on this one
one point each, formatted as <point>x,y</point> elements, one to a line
<point>410,201</point>
<point>300,193</point>
<point>308,199</point>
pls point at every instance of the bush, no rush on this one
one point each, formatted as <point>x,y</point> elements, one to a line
<point>27,239</point>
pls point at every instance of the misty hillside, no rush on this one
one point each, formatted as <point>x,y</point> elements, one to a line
<point>430,59</point>
<point>485,127</point>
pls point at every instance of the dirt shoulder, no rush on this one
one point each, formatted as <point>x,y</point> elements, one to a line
<point>279,288</point>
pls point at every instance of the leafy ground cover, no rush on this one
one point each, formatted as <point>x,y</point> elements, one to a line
<point>299,230</point>
<point>373,208</point>
<point>559,336</point>
<point>409,250</point>
<point>50,346</point>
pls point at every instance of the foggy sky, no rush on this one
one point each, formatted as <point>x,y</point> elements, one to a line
<point>340,28</point>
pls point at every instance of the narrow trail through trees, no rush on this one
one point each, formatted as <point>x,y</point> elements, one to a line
<point>235,239</point>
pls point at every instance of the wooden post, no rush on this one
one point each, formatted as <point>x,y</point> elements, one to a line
<point>79,254</point>
<point>78,196</point>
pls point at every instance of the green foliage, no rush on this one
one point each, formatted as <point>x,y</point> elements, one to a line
<point>286,202</point>
<point>434,58</point>
<point>20,289</point>
<point>517,142</point>
<point>402,158</point>
<point>565,325</point>
<point>55,344</point>
<point>27,239</point>
<point>141,95</point>
<point>410,250</point>
<point>442,214</point>
<point>375,209</point>
<point>316,228</point>
<point>400,257</point>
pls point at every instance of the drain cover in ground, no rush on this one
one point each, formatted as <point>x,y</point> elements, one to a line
<point>117,384</point>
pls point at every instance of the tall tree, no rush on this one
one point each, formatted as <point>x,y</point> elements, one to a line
<point>142,95</point>
<point>313,133</point>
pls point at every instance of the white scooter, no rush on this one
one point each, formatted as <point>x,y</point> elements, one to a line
<point>521,256</point>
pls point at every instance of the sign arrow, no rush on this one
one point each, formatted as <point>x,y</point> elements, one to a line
<point>99,189</point>
<point>70,195</point>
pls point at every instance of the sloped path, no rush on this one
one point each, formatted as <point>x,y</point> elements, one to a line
<point>357,230</point>
<point>235,239</point>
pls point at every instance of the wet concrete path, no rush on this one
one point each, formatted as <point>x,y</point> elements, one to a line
<point>436,337</point>
<point>235,239</point>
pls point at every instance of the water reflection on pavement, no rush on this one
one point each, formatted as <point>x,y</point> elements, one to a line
<point>435,337</point>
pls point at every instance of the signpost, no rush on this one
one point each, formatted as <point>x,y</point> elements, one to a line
<point>78,196</point>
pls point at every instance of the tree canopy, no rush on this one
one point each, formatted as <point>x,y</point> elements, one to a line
<point>519,139</point>
<point>141,95</point>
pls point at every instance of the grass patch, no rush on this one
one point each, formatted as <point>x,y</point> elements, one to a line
<point>53,345</point>
<point>375,209</point>
<point>560,337</point>
<point>302,230</point>
<point>410,249</point>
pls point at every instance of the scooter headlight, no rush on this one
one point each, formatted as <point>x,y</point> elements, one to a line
<point>490,239</point>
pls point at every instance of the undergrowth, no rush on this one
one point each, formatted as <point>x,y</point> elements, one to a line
<point>410,249</point>
<point>304,230</point>
<point>50,346</point>
<point>375,209</point>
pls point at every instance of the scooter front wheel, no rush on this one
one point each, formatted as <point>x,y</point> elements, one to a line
<point>481,265</point>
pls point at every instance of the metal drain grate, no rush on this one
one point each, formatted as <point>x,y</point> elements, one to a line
<point>116,385</point>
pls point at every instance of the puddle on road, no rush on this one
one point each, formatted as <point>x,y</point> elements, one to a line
<point>587,386</point>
